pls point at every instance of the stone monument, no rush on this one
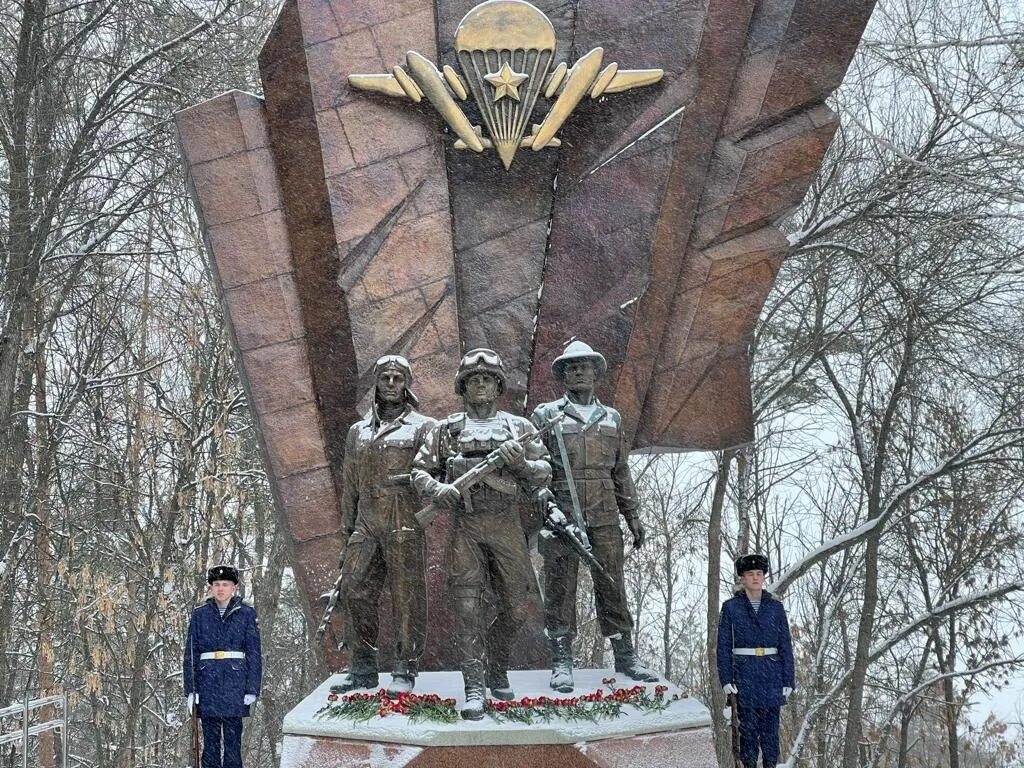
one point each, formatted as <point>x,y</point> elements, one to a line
<point>425,177</point>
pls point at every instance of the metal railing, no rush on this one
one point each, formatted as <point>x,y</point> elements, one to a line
<point>27,731</point>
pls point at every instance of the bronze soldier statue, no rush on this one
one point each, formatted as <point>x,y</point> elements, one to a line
<point>590,478</point>
<point>379,523</point>
<point>488,548</point>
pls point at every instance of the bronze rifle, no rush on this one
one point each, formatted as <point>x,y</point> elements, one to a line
<point>492,463</point>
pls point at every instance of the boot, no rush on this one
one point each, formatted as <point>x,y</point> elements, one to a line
<point>499,650</point>
<point>362,672</point>
<point>403,678</point>
<point>628,664</point>
<point>354,680</point>
<point>497,681</point>
<point>561,663</point>
<point>473,680</point>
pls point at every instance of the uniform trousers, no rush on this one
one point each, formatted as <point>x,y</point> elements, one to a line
<point>759,731</point>
<point>561,566</point>
<point>397,559</point>
<point>488,549</point>
<point>222,735</point>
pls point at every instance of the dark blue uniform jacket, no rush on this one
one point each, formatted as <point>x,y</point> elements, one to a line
<point>223,683</point>
<point>760,679</point>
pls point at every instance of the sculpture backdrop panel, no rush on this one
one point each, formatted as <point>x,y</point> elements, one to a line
<point>423,208</point>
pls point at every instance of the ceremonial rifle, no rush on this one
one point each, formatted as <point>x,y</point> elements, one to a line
<point>734,726</point>
<point>197,754</point>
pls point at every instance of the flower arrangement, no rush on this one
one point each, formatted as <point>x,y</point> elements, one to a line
<point>361,707</point>
<point>592,706</point>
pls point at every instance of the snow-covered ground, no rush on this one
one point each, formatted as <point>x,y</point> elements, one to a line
<point>682,714</point>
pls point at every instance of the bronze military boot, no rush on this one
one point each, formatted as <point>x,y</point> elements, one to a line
<point>403,678</point>
<point>362,673</point>
<point>355,680</point>
<point>499,650</point>
<point>628,664</point>
<point>501,688</point>
<point>473,680</point>
<point>561,663</point>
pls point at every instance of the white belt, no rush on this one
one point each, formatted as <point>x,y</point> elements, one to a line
<point>222,655</point>
<point>755,651</point>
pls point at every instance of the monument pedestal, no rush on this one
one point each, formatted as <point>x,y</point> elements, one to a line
<point>678,736</point>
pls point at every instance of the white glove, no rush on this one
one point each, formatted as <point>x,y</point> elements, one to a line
<point>249,699</point>
<point>729,688</point>
<point>786,692</point>
<point>190,701</point>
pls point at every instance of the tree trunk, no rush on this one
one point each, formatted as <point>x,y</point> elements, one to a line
<point>723,748</point>
<point>44,551</point>
<point>853,735</point>
<point>946,664</point>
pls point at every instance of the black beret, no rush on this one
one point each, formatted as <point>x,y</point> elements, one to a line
<point>222,573</point>
<point>746,563</point>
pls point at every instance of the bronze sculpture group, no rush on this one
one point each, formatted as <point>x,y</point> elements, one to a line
<point>504,479</point>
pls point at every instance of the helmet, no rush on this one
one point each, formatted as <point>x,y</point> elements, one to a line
<point>394,361</point>
<point>578,350</point>
<point>746,563</point>
<point>222,573</point>
<point>397,363</point>
<point>476,360</point>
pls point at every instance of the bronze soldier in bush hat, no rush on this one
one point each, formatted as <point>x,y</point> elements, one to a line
<point>591,477</point>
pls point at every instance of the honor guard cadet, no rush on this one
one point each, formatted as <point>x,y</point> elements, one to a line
<point>755,661</point>
<point>223,667</point>
<point>385,543</point>
<point>488,549</point>
<point>590,477</point>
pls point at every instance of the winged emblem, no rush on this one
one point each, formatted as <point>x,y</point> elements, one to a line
<point>505,50</point>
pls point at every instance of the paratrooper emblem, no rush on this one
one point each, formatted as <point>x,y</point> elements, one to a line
<point>505,49</point>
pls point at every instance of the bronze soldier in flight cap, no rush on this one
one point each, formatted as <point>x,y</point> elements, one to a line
<point>385,543</point>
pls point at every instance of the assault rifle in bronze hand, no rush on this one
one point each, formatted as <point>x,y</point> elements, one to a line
<point>331,603</point>
<point>492,463</point>
<point>570,535</point>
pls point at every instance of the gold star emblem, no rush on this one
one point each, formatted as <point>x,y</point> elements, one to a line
<point>505,82</point>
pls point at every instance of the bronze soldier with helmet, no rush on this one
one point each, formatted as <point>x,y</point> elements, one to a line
<point>488,547</point>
